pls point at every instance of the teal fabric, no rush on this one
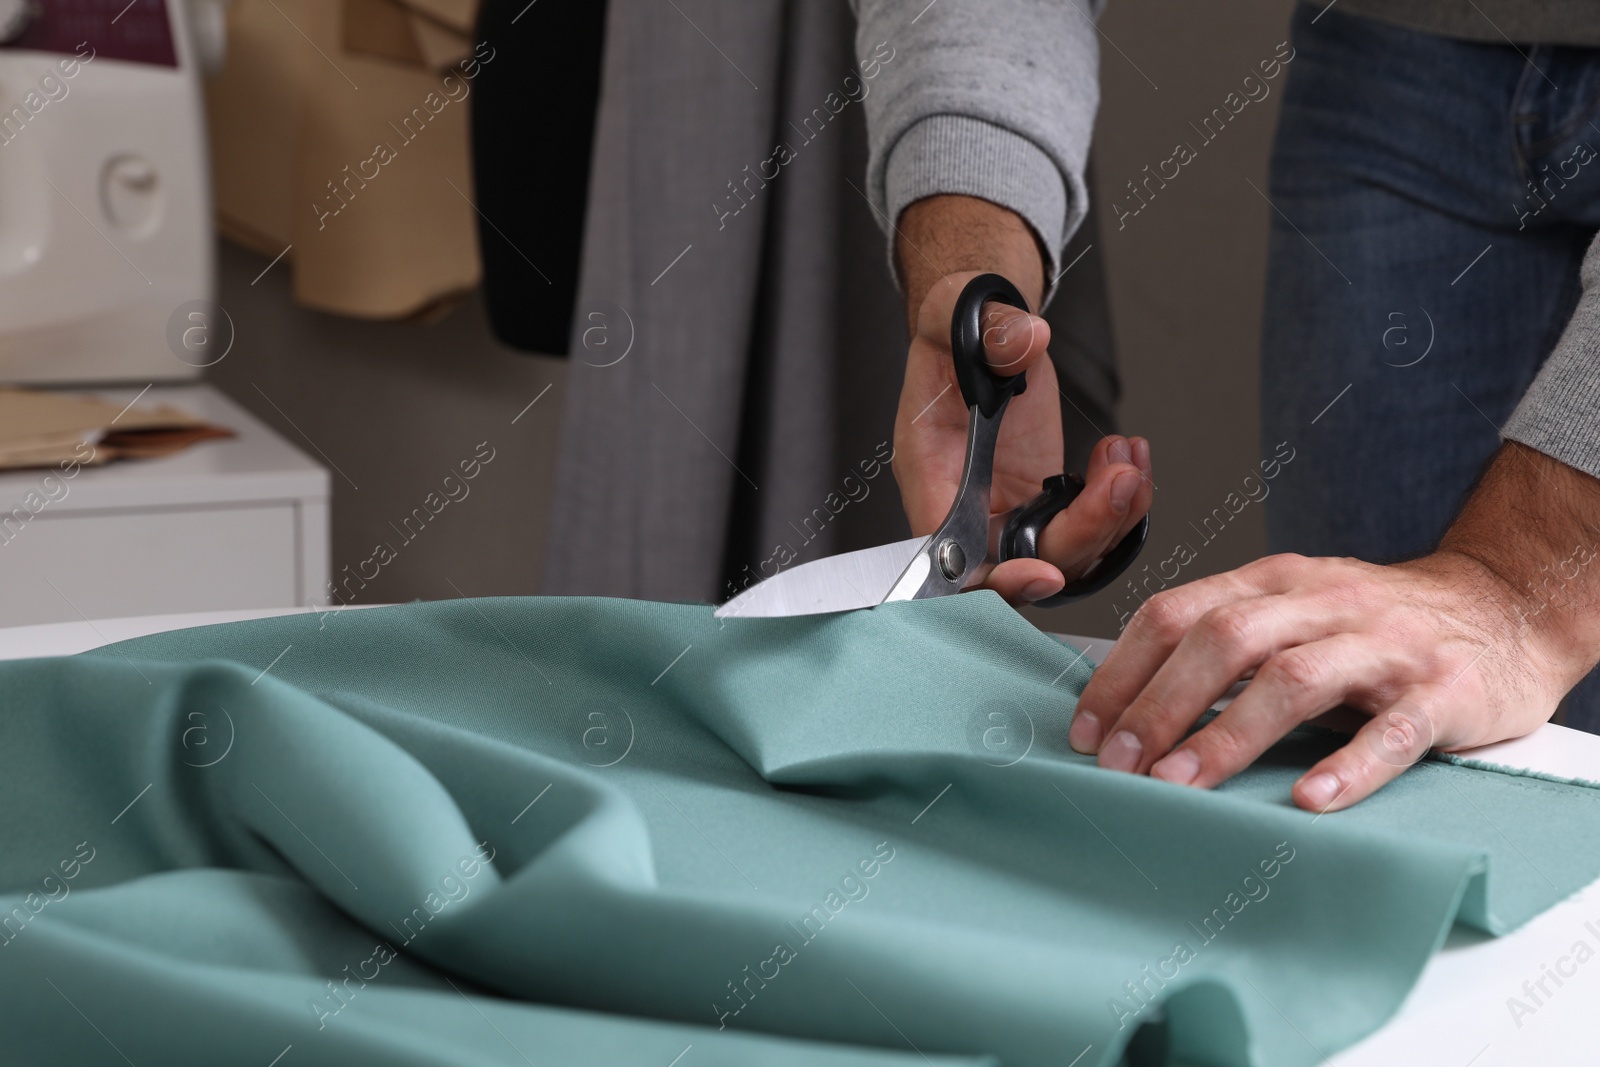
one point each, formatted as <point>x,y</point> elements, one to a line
<point>559,831</point>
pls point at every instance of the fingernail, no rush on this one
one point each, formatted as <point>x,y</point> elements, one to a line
<point>1319,790</point>
<point>1178,768</point>
<point>1123,489</point>
<point>1122,752</point>
<point>1038,589</point>
<point>1141,454</point>
<point>1085,733</point>
<point>1120,451</point>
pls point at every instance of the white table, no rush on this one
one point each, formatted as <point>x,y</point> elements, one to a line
<point>1455,1017</point>
<point>235,523</point>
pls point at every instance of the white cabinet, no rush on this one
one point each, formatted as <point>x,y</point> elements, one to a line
<point>227,524</point>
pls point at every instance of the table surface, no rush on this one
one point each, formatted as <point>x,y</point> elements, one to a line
<point>1459,1014</point>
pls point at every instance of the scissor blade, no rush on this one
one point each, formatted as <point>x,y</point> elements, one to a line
<point>838,583</point>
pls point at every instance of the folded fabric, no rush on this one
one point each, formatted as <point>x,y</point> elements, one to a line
<point>603,831</point>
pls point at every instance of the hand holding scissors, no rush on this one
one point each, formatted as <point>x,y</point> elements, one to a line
<point>1013,508</point>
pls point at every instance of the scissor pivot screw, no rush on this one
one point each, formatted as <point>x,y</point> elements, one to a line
<point>952,561</point>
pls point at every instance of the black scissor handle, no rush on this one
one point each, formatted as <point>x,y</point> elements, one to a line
<point>1020,540</point>
<point>981,387</point>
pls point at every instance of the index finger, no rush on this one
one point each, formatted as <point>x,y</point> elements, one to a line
<point>1149,640</point>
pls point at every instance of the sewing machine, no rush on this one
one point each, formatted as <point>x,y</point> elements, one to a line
<point>107,277</point>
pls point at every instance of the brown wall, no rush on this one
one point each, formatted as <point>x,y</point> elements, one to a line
<point>1186,272</point>
<point>390,409</point>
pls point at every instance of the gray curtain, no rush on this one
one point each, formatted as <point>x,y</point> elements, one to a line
<point>744,428</point>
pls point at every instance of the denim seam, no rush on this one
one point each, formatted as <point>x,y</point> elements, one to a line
<point>1588,113</point>
<point>1544,144</point>
<point>1524,164</point>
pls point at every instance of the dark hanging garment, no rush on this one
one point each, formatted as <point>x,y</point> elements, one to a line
<point>533,121</point>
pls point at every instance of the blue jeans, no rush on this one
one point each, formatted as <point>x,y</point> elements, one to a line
<point>1431,212</point>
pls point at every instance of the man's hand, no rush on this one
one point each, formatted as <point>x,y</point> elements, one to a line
<point>1475,643</point>
<point>944,243</point>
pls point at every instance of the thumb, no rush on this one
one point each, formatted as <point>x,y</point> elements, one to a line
<point>1013,340</point>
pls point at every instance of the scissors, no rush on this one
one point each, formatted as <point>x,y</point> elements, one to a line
<point>949,560</point>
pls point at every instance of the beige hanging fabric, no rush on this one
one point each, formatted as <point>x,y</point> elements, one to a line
<point>339,131</point>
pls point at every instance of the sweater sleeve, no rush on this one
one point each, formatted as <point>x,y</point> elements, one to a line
<point>994,100</point>
<point>1560,413</point>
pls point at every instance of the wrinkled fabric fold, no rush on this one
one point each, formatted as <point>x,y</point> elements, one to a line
<point>590,830</point>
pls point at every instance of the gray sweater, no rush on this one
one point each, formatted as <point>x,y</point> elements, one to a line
<point>997,100</point>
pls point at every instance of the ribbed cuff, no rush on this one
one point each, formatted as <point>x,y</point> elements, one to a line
<point>957,155</point>
<point>1560,413</point>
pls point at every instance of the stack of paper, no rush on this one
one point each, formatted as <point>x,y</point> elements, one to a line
<point>40,429</point>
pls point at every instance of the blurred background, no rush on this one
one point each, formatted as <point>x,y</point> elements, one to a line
<point>388,380</point>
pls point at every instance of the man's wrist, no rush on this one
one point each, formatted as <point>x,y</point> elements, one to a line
<point>1533,526</point>
<point>943,235</point>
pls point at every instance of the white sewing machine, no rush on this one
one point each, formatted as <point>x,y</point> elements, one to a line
<point>105,203</point>
<point>107,276</point>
